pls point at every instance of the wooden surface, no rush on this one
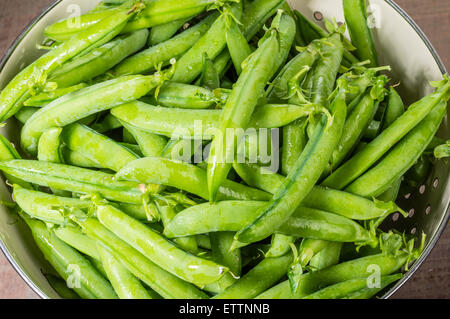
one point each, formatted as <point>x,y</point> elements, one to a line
<point>432,280</point>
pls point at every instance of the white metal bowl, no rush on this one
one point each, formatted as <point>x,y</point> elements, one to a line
<point>400,43</point>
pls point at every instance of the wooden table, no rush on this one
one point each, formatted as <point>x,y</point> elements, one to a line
<point>432,280</point>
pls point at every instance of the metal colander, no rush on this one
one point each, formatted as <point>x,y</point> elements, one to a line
<point>401,44</point>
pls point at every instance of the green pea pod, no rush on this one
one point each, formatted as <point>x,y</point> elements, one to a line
<point>185,96</point>
<point>13,95</point>
<point>187,123</point>
<point>261,277</point>
<point>357,20</point>
<point>82,103</point>
<point>357,122</point>
<point>280,245</point>
<point>400,158</point>
<point>124,283</point>
<point>237,44</point>
<point>255,15</point>
<point>155,247</point>
<point>108,123</point>
<point>310,282</point>
<point>78,159</point>
<point>301,179</point>
<point>239,107</point>
<point>8,152</point>
<point>149,143</point>
<point>25,113</point>
<point>100,149</point>
<point>442,151</point>
<point>45,98</point>
<point>287,30</point>
<point>349,287</point>
<point>365,158</point>
<point>167,172</point>
<point>327,257</point>
<point>326,199</point>
<point>74,179</point>
<point>279,90</point>
<point>189,66</point>
<point>74,237</point>
<point>147,60</point>
<point>100,60</point>
<point>294,142</point>
<point>210,77</point>
<point>163,32</point>
<point>163,282</point>
<point>65,260</point>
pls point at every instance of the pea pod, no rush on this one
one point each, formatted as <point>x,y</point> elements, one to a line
<point>16,91</point>
<point>99,148</point>
<point>402,157</point>
<point>82,103</point>
<point>187,123</point>
<point>294,142</point>
<point>356,18</point>
<point>442,151</point>
<point>349,270</point>
<point>25,113</point>
<point>365,158</point>
<point>108,123</point>
<point>124,283</point>
<point>149,143</point>
<point>280,245</point>
<point>155,247</point>
<point>91,284</point>
<point>74,179</point>
<point>220,244</point>
<point>209,77</point>
<point>164,171</point>
<point>184,96</point>
<point>163,282</point>
<point>239,107</point>
<point>8,152</point>
<point>258,279</point>
<point>74,237</point>
<point>237,44</point>
<point>287,30</point>
<point>147,60</point>
<point>45,98</point>
<point>60,286</point>
<point>367,293</point>
<point>212,43</point>
<point>256,13</point>
<point>301,179</point>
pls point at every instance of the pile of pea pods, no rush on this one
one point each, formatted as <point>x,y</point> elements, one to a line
<point>132,164</point>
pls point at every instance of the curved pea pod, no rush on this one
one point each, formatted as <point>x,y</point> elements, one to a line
<point>349,287</point>
<point>166,31</point>
<point>147,60</point>
<point>209,77</point>
<point>326,199</point>
<point>301,179</point>
<point>82,103</point>
<point>124,283</point>
<point>237,44</point>
<point>98,148</point>
<point>442,151</point>
<point>356,18</point>
<point>367,293</point>
<point>45,98</point>
<point>279,90</point>
<point>99,60</point>
<point>167,172</point>
<point>238,109</point>
<point>287,30</point>
<point>316,224</point>
<point>25,113</point>
<point>77,159</point>
<point>74,179</point>
<point>185,96</point>
<point>280,245</point>
<point>310,282</point>
<point>159,250</point>
<point>189,66</point>
<point>16,91</point>
<point>64,259</point>
<point>327,257</point>
<point>356,124</point>
<point>187,123</point>
<point>49,146</point>
<point>163,282</point>
<point>365,158</point>
<point>258,279</point>
<point>402,157</point>
<point>8,152</point>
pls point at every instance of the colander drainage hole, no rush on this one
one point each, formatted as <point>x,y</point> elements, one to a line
<point>411,212</point>
<point>422,189</point>
<point>318,16</point>
<point>428,210</point>
<point>395,217</point>
<point>407,196</point>
<point>436,182</point>
<point>413,231</point>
